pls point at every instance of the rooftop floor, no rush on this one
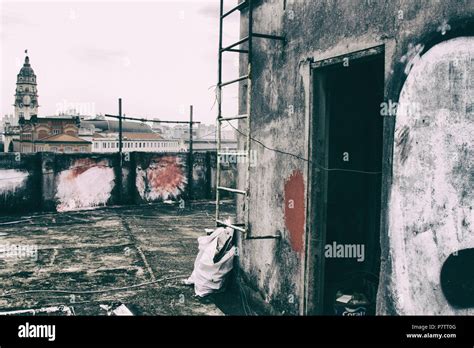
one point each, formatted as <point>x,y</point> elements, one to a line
<point>96,255</point>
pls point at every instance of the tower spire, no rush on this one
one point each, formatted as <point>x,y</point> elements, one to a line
<point>26,96</point>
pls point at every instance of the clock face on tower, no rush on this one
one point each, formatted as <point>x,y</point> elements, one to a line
<point>26,100</point>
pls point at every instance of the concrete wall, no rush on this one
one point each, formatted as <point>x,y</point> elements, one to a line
<point>430,210</point>
<point>20,183</point>
<point>281,119</point>
<point>72,182</point>
<point>63,182</point>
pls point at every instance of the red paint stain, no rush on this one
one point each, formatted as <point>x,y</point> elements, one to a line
<point>295,210</point>
<point>166,174</point>
<point>83,164</point>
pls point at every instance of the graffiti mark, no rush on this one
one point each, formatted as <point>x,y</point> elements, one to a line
<point>404,143</point>
<point>86,184</point>
<point>83,164</point>
<point>412,56</point>
<point>443,27</point>
<point>295,210</point>
<point>163,179</point>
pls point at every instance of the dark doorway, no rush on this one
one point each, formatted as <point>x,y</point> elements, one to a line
<point>347,155</point>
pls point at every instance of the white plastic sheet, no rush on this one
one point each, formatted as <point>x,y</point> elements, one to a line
<point>209,276</point>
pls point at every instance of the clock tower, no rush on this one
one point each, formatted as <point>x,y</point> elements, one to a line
<point>26,96</point>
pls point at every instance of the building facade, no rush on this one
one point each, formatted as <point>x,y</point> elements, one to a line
<point>136,136</point>
<point>30,133</point>
<point>368,106</point>
<point>54,134</point>
<point>135,142</point>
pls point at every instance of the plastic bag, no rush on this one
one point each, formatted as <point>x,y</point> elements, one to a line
<point>209,276</point>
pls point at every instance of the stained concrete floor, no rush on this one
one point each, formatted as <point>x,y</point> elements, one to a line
<point>90,252</point>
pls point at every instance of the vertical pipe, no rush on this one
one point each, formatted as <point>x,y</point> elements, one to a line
<point>120,129</point>
<point>120,171</point>
<point>190,161</point>
<point>219,109</point>
<point>249,117</point>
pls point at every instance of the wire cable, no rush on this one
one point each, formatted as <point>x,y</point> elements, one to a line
<point>302,158</point>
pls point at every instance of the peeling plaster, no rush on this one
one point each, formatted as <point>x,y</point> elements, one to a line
<point>11,180</point>
<point>86,184</point>
<point>430,211</point>
<point>163,179</point>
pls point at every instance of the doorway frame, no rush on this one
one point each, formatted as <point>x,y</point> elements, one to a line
<point>314,266</point>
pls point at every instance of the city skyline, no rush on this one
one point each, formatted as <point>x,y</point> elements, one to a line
<point>91,62</point>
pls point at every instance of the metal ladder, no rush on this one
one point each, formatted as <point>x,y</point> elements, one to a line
<point>242,227</point>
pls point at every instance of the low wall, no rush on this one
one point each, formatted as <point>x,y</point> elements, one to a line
<point>63,182</point>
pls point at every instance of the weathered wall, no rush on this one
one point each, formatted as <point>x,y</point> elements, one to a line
<point>281,118</point>
<point>430,211</point>
<point>160,177</point>
<point>62,182</point>
<point>79,181</point>
<point>20,187</point>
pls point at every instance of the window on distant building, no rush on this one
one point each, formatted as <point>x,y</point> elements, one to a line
<point>21,114</point>
<point>68,149</point>
<point>56,131</point>
<point>54,149</point>
<point>82,149</point>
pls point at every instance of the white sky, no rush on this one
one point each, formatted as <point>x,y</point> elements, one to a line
<point>158,56</point>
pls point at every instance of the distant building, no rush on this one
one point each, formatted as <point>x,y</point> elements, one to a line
<point>204,136</point>
<point>139,137</point>
<point>54,134</point>
<point>9,130</point>
<point>26,95</point>
<point>26,132</point>
<point>138,142</point>
<point>112,126</point>
<point>10,133</point>
<point>203,145</point>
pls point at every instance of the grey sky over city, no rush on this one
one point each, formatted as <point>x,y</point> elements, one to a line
<point>158,56</point>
